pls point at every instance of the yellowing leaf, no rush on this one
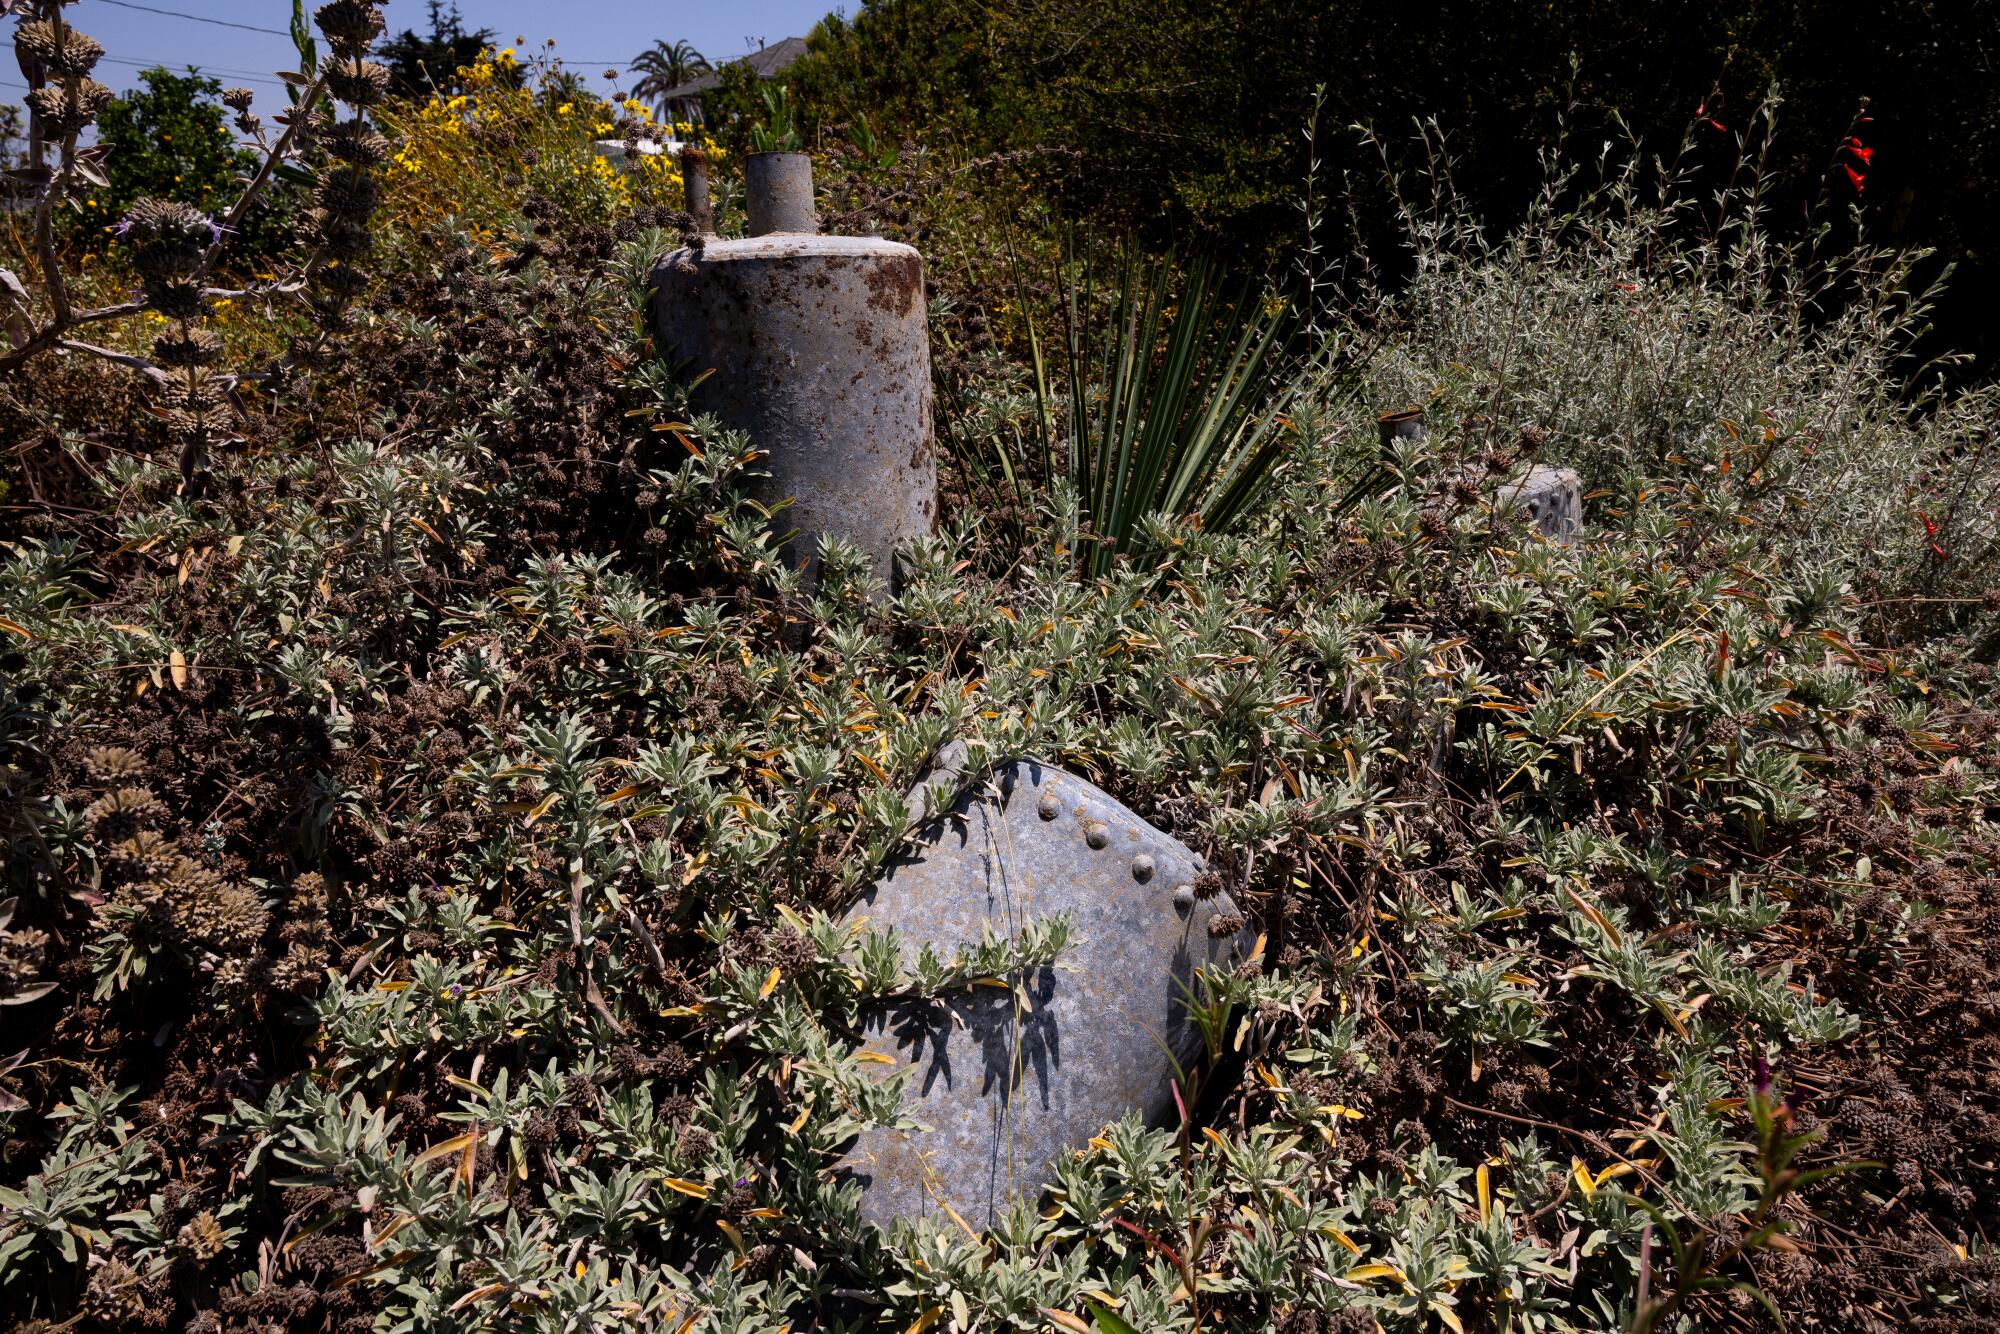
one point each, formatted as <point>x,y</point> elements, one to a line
<point>770,985</point>
<point>456,1144</point>
<point>1369,1273</point>
<point>1346,1241</point>
<point>177,666</point>
<point>735,1237</point>
<point>873,1058</point>
<point>1064,1320</point>
<point>692,1189</point>
<point>22,630</point>
<point>925,1321</point>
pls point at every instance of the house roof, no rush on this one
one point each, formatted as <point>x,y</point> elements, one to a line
<point>765,62</point>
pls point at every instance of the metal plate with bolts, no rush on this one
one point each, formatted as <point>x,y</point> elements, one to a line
<point>1551,497</point>
<point>1006,1078</point>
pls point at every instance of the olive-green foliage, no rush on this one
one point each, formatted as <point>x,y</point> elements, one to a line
<point>587,817</point>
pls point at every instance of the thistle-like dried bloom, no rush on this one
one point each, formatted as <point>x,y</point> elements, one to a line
<point>238,99</point>
<point>123,813</point>
<point>1224,925</point>
<point>350,25</point>
<point>348,192</point>
<point>116,1297</point>
<point>167,239</point>
<point>208,910</point>
<point>200,391</point>
<point>357,143</point>
<point>357,82</point>
<point>340,280</point>
<point>202,1236</point>
<point>71,53</point>
<point>195,347</point>
<point>176,299</point>
<point>144,856</point>
<point>339,238</point>
<point>60,115</point>
<point>113,764</point>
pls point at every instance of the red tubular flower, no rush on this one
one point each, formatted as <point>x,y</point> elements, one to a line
<point>1930,535</point>
<point>1854,178</point>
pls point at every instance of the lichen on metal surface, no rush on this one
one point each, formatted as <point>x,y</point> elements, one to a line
<point>1006,1077</point>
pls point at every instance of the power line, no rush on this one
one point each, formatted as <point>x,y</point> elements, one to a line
<point>197,18</point>
<point>162,64</point>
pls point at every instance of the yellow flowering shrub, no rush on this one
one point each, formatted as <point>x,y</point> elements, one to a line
<point>474,154</point>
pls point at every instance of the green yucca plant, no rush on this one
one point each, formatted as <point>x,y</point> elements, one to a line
<point>1174,396</point>
<point>1174,399</point>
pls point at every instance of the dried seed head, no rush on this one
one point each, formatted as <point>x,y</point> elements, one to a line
<point>175,299</point>
<point>121,814</point>
<point>195,347</point>
<point>70,54</point>
<point>198,391</point>
<point>167,239</point>
<point>62,116</point>
<point>1224,925</point>
<point>116,1297</point>
<point>348,192</point>
<point>356,142</point>
<point>238,99</point>
<point>342,281</point>
<point>351,25</point>
<point>339,238</point>
<point>112,764</point>
<point>202,1236</point>
<point>357,82</point>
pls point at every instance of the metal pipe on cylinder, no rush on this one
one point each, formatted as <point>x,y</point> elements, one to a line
<point>778,193</point>
<point>694,182</point>
<point>818,347</point>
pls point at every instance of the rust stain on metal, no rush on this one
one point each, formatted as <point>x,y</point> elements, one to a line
<point>896,287</point>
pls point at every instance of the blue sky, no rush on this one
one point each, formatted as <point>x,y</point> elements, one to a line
<point>592,35</point>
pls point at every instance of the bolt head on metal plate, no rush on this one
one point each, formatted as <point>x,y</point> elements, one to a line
<point>1005,1078</point>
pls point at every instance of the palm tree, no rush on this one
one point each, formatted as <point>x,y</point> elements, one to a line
<point>666,67</point>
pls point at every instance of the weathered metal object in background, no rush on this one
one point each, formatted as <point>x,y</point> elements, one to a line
<point>778,194</point>
<point>1007,1077</point>
<point>1551,497</point>
<point>1394,427</point>
<point>819,348</point>
<point>694,184</point>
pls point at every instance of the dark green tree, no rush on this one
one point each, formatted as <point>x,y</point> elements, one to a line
<point>419,63</point>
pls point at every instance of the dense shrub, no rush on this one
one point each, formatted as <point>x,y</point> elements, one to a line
<point>433,825</point>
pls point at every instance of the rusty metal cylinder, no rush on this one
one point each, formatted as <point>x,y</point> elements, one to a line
<point>778,193</point>
<point>694,180</point>
<point>819,348</point>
